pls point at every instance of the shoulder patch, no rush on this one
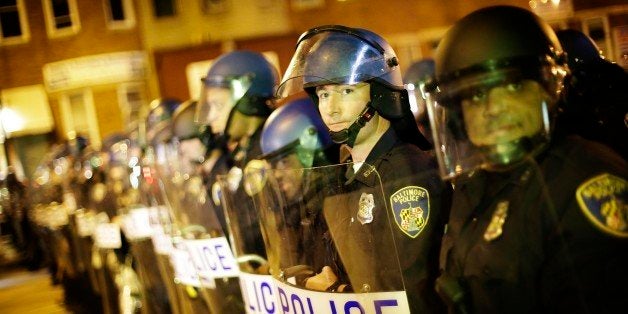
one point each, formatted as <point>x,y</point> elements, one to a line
<point>411,208</point>
<point>604,201</point>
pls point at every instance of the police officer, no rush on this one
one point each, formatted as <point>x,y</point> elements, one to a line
<point>197,210</point>
<point>415,78</point>
<point>538,221</point>
<point>236,99</point>
<point>596,92</point>
<point>353,76</point>
<point>295,137</point>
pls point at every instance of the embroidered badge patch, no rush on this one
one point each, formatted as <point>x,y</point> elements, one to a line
<point>411,208</point>
<point>604,201</point>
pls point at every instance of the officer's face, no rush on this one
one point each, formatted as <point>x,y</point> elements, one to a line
<point>504,113</point>
<point>191,153</point>
<point>220,101</point>
<point>289,182</point>
<point>340,106</point>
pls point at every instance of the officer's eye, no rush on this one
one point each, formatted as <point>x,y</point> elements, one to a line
<point>346,91</point>
<point>479,96</point>
<point>513,87</point>
<point>322,94</point>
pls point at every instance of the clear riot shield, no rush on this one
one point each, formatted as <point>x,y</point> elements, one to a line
<point>200,241</point>
<point>137,206</point>
<point>89,175</point>
<point>245,237</point>
<point>330,245</point>
<point>172,257</point>
<point>75,202</point>
<point>162,228</point>
<point>110,250</point>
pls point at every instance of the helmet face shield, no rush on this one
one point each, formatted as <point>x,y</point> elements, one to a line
<point>334,57</point>
<point>219,96</point>
<point>492,119</point>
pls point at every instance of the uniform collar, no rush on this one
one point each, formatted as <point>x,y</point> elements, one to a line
<point>366,173</point>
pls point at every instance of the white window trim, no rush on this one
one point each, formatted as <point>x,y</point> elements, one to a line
<point>129,13</point>
<point>51,29</point>
<point>26,34</point>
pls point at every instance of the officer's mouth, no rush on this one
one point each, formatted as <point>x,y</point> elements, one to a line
<point>503,126</point>
<point>339,126</point>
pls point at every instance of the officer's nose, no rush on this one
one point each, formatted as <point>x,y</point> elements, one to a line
<point>496,101</point>
<point>332,105</point>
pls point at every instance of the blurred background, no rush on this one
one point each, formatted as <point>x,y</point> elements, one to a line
<point>84,68</point>
<point>78,73</point>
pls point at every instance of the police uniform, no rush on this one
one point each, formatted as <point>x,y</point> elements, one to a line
<point>415,197</point>
<point>547,237</point>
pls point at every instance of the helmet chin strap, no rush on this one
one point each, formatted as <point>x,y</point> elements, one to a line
<point>348,136</point>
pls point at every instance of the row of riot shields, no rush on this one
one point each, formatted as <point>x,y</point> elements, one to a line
<point>149,234</point>
<point>94,219</point>
<point>56,201</point>
<point>291,241</point>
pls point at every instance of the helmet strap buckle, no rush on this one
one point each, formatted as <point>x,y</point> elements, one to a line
<point>348,135</point>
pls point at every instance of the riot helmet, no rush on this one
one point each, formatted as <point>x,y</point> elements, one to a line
<point>580,48</point>
<point>243,81</point>
<point>340,55</point>
<point>183,126</point>
<point>295,128</point>
<point>499,75</point>
<point>415,78</point>
<point>595,98</point>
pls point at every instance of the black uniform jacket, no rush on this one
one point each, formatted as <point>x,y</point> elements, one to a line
<point>521,242</point>
<point>409,212</point>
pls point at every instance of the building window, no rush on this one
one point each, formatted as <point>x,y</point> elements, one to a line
<point>164,8</point>
<point>61,17</point>
<point>13,26</point>
<point>120,14</point>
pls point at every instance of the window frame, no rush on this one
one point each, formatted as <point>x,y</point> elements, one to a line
<point>175,8</point>
<point>129,15</point>
<point>24,27</point>
<point>51,29</point>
